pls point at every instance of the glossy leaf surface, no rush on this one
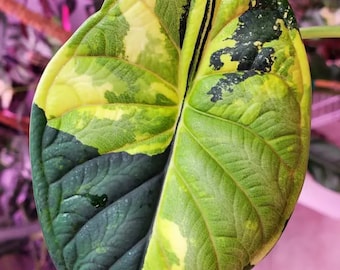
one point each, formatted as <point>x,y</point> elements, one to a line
<point>172,135</point>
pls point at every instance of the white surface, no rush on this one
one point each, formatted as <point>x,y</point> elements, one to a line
<point>319,198</point>
<point>311,241</point>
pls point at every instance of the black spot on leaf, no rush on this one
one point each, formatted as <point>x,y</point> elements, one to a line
<point>228,82</point>
<point>97,200</point>
<point>256,26</point>
<point>281,6</point>
<point>287,13</point>
<point>183,22</point>
<point>264,60</point>
<point>246,57</point>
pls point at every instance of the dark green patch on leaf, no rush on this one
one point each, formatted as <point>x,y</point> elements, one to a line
<point>227,83</point>
<point>183,21</point>
<point>174,14</point>
<point>130,185</point>
<point>287,14</point>
<point>96,200</point>
<point>60,152</point>
<point>255,27</point>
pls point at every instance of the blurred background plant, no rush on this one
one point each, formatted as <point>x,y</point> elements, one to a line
<point>32,30</point>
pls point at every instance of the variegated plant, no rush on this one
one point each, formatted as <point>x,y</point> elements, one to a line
<point>172,134</point>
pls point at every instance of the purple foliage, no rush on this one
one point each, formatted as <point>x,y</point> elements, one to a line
<point>24,54</point>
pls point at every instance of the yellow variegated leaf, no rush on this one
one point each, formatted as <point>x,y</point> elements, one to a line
<point>172,134</point>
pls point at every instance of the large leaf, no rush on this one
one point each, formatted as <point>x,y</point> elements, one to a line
<point>172,134</point>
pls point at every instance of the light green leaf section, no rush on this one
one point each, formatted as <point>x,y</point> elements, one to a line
<point>226,11</point>
<point>117,76</point>
<point>173,12</point>
<point>241,146</point>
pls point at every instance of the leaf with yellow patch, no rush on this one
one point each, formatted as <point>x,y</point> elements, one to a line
<point>172,135</point>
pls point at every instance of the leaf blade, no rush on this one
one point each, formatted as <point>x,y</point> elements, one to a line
<point>240,138</point>
<point>102,85</point>
<point>243,136</point>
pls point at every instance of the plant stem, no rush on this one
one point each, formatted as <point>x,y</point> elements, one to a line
<point>316,32</point>
<point>329,86</point>
<point>11,120</point>
<point>34,19</point>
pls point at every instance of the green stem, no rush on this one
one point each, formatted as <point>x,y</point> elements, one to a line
<point>316,32</point>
